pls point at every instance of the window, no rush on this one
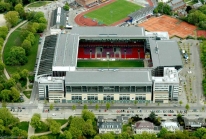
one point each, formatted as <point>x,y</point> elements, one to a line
<point>68,88</point>
<point>108,97</point>
<point>76,97</point>
<point>124,98</point>
<point>92,97</point>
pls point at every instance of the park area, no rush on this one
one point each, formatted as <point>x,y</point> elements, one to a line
<point>38,4</point>
<point>110,64</point>
<point>107,13</point>
<point>15,39</point>
<point>168,24</point>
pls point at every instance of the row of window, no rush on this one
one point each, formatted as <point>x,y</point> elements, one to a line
<point>108,98</point>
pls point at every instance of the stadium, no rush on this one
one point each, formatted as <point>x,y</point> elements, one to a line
<point>104,64</point>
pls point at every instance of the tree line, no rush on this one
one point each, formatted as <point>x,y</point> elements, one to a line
<point>203,59</point>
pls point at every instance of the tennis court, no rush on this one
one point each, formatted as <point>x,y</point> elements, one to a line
<point>111,64</point>
<point>168,24</point>
<point>113,12</point>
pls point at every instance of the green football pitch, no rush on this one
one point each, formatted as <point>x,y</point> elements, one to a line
<point>110,64</point>
<point>113,12</point>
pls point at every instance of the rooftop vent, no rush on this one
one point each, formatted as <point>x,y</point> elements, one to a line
<point>156,50</point>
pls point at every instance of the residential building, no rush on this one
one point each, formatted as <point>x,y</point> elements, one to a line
<point>143,126</point>
<point>177,4</point>
<point>109,125</point>
<point>170,126</point>
<point>192,124</point>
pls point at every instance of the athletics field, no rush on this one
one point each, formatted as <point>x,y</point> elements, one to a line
<point>113,12</point>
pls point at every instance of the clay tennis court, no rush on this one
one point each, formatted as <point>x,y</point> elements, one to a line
<point>168,24</point>
<point>201,33</point>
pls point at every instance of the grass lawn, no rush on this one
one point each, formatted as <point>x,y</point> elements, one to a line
<point>61,121</point>
<point>113,12</point>
<point>38,4</point>
<point>24,126</point>
<point>27,94</point>
<point>105,64</point>
<point>44,128</point>
<point>16,40</point>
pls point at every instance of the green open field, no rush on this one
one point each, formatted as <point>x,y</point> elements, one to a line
<point>111,64</point>
<point>113,12</point>
<point>15,40</point>
<point>38,4</point>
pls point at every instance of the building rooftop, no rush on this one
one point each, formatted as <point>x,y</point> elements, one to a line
<point>194,122</point>
<point>110,125</point>
<point>119,77</point>
<point>144,125</point>
<point>170,126</point>
<point>165,53</point>
<point>108,31</point>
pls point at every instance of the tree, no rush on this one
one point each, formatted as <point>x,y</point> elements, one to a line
<point>51,107</point>
<point>3,32</point>
<point>17,56</point>
<point>12,18</point>
<point>42,20</point>
<point>108,106</point>
<point>1,67</point>
<point>76,133</point>
<point>36,121</point>
<point>162,133</point>
<point>180,102</point>
<point>19,133</point>
<point>152,116</point>
<point>97,137</point>
<point>66,135</point>
<point>87,129</point>
<point>77,122</point>
<point>31,38</point>
<point>24,73</point>
<point>87,115</point>
<point>42,27</point>
<point>4,95</point>
<point>66,7</point>
<point>187,107</point>
<point>96,106</point>
<point>55,127</point>
<point>16,76</point>
<point>27,46</point>
<point>200,132</point>
<point>73,107</point>
<point>2,127</point>
<point>9,83</point>
<point>85,106</point>
<point>123,135</point>
<point>107,136</point>
<point>8,118</point>
<point>20,9</point>
<point>37,16</point>
<point>135,102</point>
<point>15,94</point>
<point>145,135</point>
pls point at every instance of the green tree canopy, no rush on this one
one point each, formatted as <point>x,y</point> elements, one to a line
<point>9,83</point>
<point>76,133</point>
<point>7,117</point>
<point>17,56</point>
<point>12,18</point>
<point>27,46</point>
<point>5,95</point>
<point>87,115</point>
<point>15,94</point>
<point>1,67</point>
<point>36,121</point>
<point>77,122</point>
<point>3,32</point>
<point>20,9</point>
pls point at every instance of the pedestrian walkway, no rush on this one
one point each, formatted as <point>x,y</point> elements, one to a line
<point>10,31</point>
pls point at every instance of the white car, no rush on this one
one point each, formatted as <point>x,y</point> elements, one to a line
<point>53,114</point>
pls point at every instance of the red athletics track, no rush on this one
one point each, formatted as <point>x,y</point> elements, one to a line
<point>81,21</point>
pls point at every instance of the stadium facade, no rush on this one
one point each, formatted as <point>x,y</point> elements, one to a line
<point>61,80</point>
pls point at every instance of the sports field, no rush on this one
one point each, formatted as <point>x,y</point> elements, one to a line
<point>113,12</point>
<point>111,64</point>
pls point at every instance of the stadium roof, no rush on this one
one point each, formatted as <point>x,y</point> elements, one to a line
<point>108,31</point>
<point>109,78</point>
<point>62,15</point>
<point>168,53</point>
<point>66,50</point>
<point>47,54</point>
